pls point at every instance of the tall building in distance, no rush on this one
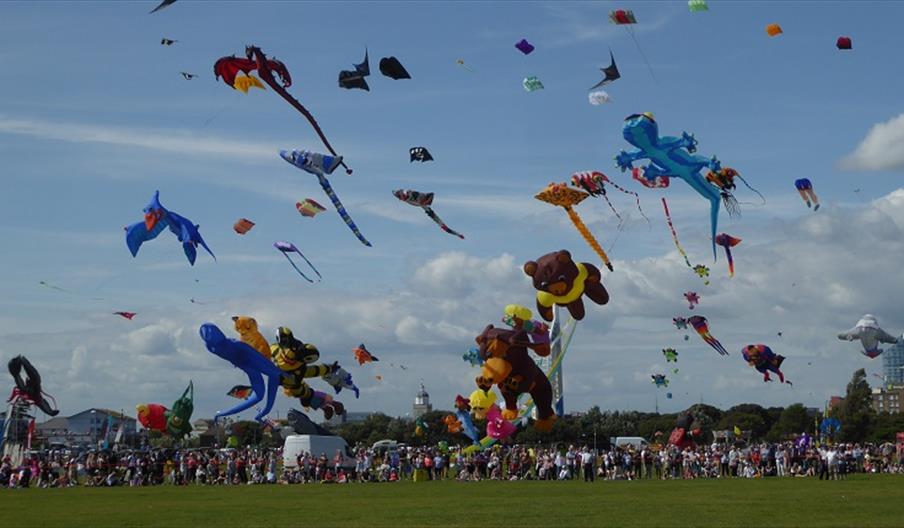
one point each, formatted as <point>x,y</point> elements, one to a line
<point>893,364</point>
<point>421,403</point>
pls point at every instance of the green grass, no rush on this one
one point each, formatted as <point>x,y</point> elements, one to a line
<point>857,502</point>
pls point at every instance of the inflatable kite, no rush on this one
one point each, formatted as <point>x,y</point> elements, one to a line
<point>419,154</point>
<point>126,315</point>
<point>727,241</point>
<point>610,73</point>
<point>598,98</point>
<point>479,402</point>
<point>671,356</point>
<point>240,392</point>
<point>392,68</point>
<point>255,59</point>
<point>302,424</point>
<point>319,165</point>
<point>356,79</point>
<point>696,6</point>
<point>805,188</point>
<point>246,82</point>
<point>178,419</point>
<point>309,208</point>
<point>670,157</point>
<point>156,219</point>
<point>594,183</point>
<point>683,436</point>
<point>560,195</point>
<point>288,247</point>
<point>247,359</point>
<point>472,356</point>
<point>497,426</point>
<point>242,226</point>
<point>521,318</point>
<point>844,43</point>
<point>362,355</point>
<point>250,335</point>
<point>462,413</point>
<point>764,360</point>
<point>702,272</point>
<point>870,335</point>
<point>152,416</point>
<point>420,427</point>
<point>532,84</point>
<point>29,388</point>
<point>692,299</point>
<point>680,323</point>
<point>561,281</point>
<point>298,361</point>
<point>508,365</point>
<point>699,324</point>
<point>773,30</point>
<point>424,201</point>
<point>660,380</point>
<point>524,46</point>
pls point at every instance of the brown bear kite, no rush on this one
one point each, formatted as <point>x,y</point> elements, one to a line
<point>508,366</point>
<point>562,281</point>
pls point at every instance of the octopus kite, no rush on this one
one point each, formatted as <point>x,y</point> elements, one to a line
<point>699,324</point>
<point>764,360</point>
<point>727,241</point>
<point>424,201</point>
<point>255,59</point>
<point>256,367</point>
<point>670,157</point>
<point>319,165</point>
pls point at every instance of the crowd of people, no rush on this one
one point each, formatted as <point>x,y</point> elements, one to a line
<point>265,466</point>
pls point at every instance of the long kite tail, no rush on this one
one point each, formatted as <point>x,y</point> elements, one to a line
<point>605,197</point>
<point>588,236</point>
<point>730,262</point>
<point>267,76</point>
<point>636,199</point>
<point>296,267</point>
<point>668,218</point>
<point>442,224</point>
<point>713,342</point>
<point>319,276</point>
<point>328,189</point>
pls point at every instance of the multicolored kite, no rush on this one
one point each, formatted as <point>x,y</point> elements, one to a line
<point>424,201</point>
<point>699,324</point>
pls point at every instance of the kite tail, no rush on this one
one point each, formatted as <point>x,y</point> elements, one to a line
<point>442,224</point>
<point>296,268</point>
<point>328,189</point>
<point>751,188</point>
<point>730,262</point>
<point>268,78</point>
<point>668,218</point>
<point>319,276</point>
<point>636,199</point>
<point>588,236</point>
<point>613,208</point>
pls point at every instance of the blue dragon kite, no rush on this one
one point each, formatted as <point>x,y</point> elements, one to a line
<point>251,362</point>
<point>156,218</point>
<point>669,157</point>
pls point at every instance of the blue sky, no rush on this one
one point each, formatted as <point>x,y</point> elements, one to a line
<point>95,117</point>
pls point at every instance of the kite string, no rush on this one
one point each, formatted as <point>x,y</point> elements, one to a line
<point>636,199</point>
<point>642,54</point>
<point>668,218</point>
<point>588,237</point>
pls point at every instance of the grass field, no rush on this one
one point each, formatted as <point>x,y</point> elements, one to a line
<point>857,502</point>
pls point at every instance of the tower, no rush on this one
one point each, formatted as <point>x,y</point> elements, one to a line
<point>421,403</point>
<point>893,364</point>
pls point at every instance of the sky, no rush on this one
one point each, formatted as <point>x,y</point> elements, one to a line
<point>95,116</point>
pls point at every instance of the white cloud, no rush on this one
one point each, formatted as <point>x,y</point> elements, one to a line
<point>881,149</point>
<point>163,140</point>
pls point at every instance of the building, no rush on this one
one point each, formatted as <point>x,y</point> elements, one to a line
<point>889,399</point>
<point>90,427</point>
<point>421,403</point>
<point>893,364</point>
<point>348,417</point>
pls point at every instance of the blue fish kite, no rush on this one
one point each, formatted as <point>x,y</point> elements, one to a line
<point>320,165</point>
<point>156,218</point>
<point>670,157</point>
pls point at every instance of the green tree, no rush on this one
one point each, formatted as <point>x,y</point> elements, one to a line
<point>856,412</point>
<point>793,420</point>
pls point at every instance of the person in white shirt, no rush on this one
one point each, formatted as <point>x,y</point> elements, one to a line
<point>587,464</point>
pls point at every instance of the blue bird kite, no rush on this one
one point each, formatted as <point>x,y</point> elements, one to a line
<point>156,218</point>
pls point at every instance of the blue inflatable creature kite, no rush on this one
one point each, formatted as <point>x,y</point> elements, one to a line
<point>669,157</point>
<point>251,362</point>
<point>156,218</point>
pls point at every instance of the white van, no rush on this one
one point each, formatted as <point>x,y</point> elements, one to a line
<point>385,446</point>
<point>623,441</point>
<point>317,445</point>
